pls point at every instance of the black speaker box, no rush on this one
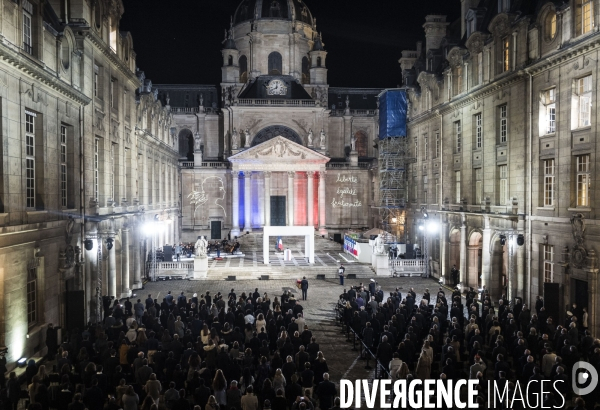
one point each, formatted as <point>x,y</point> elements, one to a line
<point>75,309</point>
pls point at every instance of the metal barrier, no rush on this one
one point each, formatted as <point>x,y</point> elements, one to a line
<point>365,351</point>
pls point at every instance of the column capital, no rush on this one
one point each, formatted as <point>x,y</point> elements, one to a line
<point>267,174</point>
<point>291,174</point>
<point>246,174</point>
<point>310,174</point>
<point>322,174</point>
<point>235,174</point>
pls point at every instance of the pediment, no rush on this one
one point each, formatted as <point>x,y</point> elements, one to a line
<point>279,153</point>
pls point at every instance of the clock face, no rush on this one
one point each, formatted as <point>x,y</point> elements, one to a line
<point>276,87</point>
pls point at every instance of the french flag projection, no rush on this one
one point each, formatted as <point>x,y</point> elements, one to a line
<point>279,244</point>
<point>350,245</point>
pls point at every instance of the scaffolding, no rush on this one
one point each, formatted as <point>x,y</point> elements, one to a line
<point>393,163</point>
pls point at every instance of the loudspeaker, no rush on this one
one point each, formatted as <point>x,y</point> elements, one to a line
<point>230,278</point>
<point>321,277</point>
<point>75,309</point>
<point>552,301</point>
<point>351,276</point>
<point>264,277</point>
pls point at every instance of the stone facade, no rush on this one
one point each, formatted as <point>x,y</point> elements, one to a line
<point>502,124</point>
<point>88,155</point>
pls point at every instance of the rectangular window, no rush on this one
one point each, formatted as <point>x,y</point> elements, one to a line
<point>415,185</point>
<point>478,185</point>
<point>27,27</point>
<point>548,182</point>
<point>426,147</point>
<point>458,135</point>
<point>96,80</point>
<point>63,166</point>
<point>97,169</point>
<point>438,145</point>
<point>505,54</point>
<point>437,191</point>
<point>480,68</point>
<point>583,180</point>
<point>112,93</point>
<point>549,102</point>
<point>459,80</point>
<point>583,92</point>
<point>503,124</point>
<point>416,148</point>
<point>30,159</point>
<point>584,16</point>
<point>32,297</point>
<point>112,172</point>
<point>457,186</point>
<point>478,131</point>
<point>503,184</point>
<point>548,254</point>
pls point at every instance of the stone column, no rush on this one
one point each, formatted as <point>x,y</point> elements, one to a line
<point>486,256</point>
<point>322,213</point>
<point>290,198</point>
<point>512,283</point>
<point>310,198</point>
<point>247,201</point>
<point>112,268</point>
<point>235,203</point>
<point>267,175</point>
<point>137,260</point>
<point>125,262</point>
<point>463,253</point>
<point>443,248</point>
<point>91,259</point>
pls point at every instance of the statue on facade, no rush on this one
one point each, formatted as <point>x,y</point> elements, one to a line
<point>353,143</point>
<point>197,142</point>
<point>201,100</point>
<point>235,141</point>
<point>310,137</point>
<point>322,139</point>
<point>247,137</point>
<point>200,247</point>
<point>379,245</point>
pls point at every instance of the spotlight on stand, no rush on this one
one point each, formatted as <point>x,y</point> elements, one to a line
<point>421,227</point>
<point>520,240</point>
<point>89,244</point>
<point>502,240</point>
<point>22,362</point>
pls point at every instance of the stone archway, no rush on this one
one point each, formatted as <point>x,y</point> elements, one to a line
<point>474,250</point>
<point>186,144</point>
<point>361,144</point>
<point>499,268</point>
<point>454,251</point>
<point>275,130</point>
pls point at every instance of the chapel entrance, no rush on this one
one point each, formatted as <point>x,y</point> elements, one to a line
<point>215,230</point>
<point>278,211</point>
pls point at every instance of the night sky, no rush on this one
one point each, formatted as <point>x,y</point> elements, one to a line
<point>179,41</point>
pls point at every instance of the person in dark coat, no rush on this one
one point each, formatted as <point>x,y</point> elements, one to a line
<point>326,392</point>
<point>304,287</point>
<point>385,352</point>
<point>51,341</point>
<point>234,396</point>
<point>367,335</point>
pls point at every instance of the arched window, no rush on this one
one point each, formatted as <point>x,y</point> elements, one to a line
<point>550,26</point>
<point>275,63</point>
<point>243,62</point>
<point>230,61</point>
<point>305,71</point>
<point>98,15</point>
<point>318,61</point>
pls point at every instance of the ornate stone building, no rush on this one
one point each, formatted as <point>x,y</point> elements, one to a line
<point>87,158</point>
<point>274,83</point>
<point>502,121</point>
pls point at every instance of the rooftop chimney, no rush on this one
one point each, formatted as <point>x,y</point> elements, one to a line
<point>435,31</point>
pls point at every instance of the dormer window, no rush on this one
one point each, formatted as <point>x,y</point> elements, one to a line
<point>27,27</point>
<point>471,26</point>
<point>503,6</point>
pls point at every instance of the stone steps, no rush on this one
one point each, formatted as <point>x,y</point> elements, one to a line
<point>254,242</point>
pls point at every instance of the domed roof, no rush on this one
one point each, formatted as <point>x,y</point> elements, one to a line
<point>273,9</point>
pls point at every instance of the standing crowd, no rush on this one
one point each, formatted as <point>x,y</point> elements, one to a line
<point>221,352</point>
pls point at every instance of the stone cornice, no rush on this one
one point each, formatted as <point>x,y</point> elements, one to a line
<point>99,43</point>
<point>567,53</point>
<point>27,65</point>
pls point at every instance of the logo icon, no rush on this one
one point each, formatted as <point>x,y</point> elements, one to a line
<point>585,378</point>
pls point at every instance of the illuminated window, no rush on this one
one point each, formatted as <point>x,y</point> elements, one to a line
<point>584,16</point>
<point>96,169</point>
<point>549,103</point>
<point>548,254</point>
<point>438,144</point>
<point>30,159</point>
<point>63,166</point>
<point>113,35</point>
<point>503,184</point>
<point>505,54</point>
<point>478,122</point>
<point>548,182</point>
<point>550,26</point>
<point>503,124</point>
<point>582,102</point>
<point>457,186</point>
<point>583,180</point>
<point>478,185</point>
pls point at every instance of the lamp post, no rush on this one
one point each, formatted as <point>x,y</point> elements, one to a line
<point>427,227</point>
